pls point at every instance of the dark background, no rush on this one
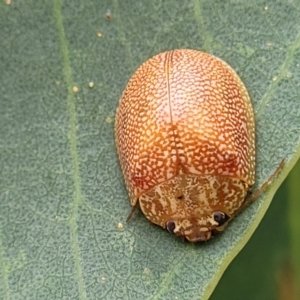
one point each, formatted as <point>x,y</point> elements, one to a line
<point>265,268</point>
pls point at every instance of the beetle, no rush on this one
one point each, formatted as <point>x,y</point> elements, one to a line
<point>185,137</point>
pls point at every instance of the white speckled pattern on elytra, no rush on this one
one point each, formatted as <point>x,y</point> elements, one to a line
<point>184,112</point>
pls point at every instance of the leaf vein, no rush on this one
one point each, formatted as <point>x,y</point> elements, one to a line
<point>4,271</point>
<point>281,75</point>
<point>73,147</point>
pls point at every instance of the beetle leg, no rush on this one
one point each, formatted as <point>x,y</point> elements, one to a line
<point>133,208</point>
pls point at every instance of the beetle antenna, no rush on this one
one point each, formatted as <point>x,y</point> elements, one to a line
<point>256,194</point>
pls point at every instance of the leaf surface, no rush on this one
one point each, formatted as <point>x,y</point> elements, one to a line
<point>63,203</point>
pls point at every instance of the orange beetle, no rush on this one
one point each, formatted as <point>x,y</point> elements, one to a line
<point>185,136</point>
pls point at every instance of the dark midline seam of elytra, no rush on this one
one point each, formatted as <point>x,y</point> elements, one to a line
<point>167,72</point>
<point>169,59</point>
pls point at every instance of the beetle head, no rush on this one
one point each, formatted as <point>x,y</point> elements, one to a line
<point>194,207</point>
<point>198,229</point>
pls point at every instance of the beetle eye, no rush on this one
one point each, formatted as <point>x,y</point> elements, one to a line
<point>220,217</point>
<point>170,226</point>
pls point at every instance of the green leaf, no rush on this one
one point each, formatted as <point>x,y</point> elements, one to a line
<point>62,194</point>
